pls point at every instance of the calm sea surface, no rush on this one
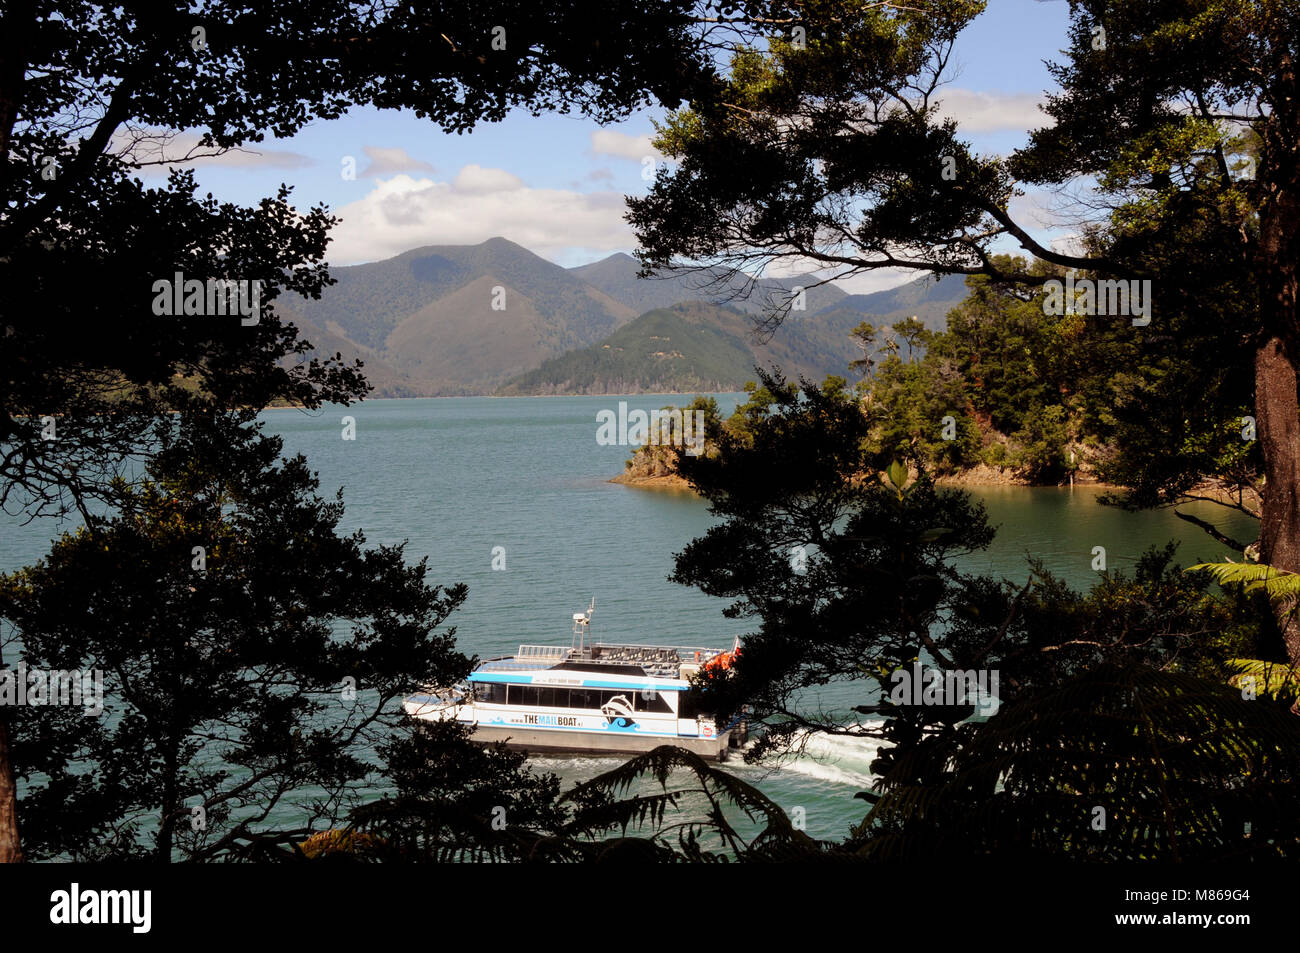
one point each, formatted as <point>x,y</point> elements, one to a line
<point>456,478</point>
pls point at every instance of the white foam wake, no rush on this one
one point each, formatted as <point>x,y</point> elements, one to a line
<point>836,759</point>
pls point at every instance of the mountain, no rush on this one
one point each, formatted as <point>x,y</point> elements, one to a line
<point>424,324</point>
<point>617,277</point>
<point>388,381</point>
<point>427,320</point>
<point>687,348</point>
<point>696,346</point>
<point>928,299</point>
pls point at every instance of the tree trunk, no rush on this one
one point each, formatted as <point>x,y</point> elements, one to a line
<point>1278,411</point>
<point>10,847</point>
<point>1277,407</point>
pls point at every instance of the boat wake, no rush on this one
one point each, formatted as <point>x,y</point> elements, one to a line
<point>835,759</point>
<point>831,759</point>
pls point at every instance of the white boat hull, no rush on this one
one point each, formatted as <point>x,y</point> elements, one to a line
<point>570,732</point>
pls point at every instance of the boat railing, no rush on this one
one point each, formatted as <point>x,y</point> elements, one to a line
<point>684,653</point>
<point>659,660</point>
<point>544,653</point>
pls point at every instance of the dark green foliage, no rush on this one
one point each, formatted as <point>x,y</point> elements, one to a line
<point>845,574</point>
<point>878,592</point>
<point>105,366</point>
<point>1183,113</point>
<point>455,800</point>
<point>909,399</point>
<point>667,805</point>
<point>713,793</point>
<point>1122,763</point>
<point>1024,388</point>
<point>226,681</point>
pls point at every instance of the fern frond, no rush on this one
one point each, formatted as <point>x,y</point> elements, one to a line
<point>718,787</point>
<point>1278,584</point>
<point>1280,680</point>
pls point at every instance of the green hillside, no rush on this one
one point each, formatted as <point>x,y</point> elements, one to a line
<point>690,347</point>
<point>424,324</point>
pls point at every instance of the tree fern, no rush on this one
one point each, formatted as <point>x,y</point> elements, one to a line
<point>1280,585</point>
<point>1119,764</point>
<point>717,789</point>
<point>1279,680</point>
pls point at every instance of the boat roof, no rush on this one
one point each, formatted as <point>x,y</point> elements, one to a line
<point>578,680</point>
<point>598,665</point>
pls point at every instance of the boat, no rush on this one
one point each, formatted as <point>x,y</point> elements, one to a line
<point>592,698</point>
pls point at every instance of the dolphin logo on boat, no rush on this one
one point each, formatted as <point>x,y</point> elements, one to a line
<point>618,712</point>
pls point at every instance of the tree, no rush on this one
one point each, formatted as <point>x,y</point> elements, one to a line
<point>88,97</point>
<point>875,596</point>
<point>249,654</point>
<point>849,165</point>
<point>1263,676</point>
<point>864,336</point>
<point>1118,764</point>
<point>91,95</point>
<point>808,539</point>
<point>919,406</point>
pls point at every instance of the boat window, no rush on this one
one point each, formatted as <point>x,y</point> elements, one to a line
<point>522,695</point>
<point>587,698</point>
<point>655,703</point>
<point>584,698</point>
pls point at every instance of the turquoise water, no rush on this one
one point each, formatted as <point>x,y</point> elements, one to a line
<point>457,477</point>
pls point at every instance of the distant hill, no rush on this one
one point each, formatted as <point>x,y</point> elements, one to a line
<point>428,314</point>
<point>424,324</point>
<point>696,346</point>
<point>617,277</point>
<point>687,348</point>
<point>928,299</point>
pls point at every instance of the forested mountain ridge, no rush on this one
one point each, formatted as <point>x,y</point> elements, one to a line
<point>457,320</point>
<point>693,346</point>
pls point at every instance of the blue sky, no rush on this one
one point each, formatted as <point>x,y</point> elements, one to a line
<point>555,184</point>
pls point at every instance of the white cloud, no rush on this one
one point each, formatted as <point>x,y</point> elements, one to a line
<point>401,213</point>
<point>1040,210</point>
<point>607,142</point>
<point>391,161</point>
<point>992,112</point>
<point>182,148</point>
<point>476,180</point>
<point>880,279</point>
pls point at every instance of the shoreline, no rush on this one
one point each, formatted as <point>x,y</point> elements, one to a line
<point>677,483</point>
<point>981,476</point>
